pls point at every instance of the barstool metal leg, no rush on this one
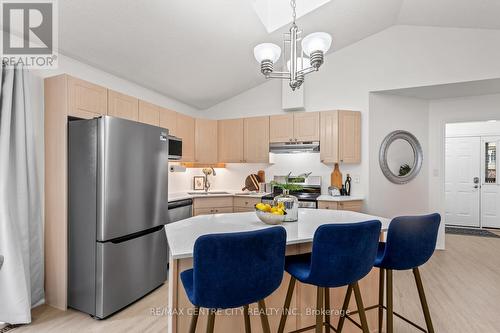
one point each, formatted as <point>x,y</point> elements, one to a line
<point>345,306</point>
<point>361,308</point>
<point>423,300</point>
<point>327,309</point>
<point>246,316</point>
<point>380,300</point>
<point>263,317</point>
<point>319,307</point>
<point>286,307</point>
<point>194,320</point>
<point>211,321</point>
<point>390,308</point>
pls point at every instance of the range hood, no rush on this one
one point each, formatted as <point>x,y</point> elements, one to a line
<point>294,147</point>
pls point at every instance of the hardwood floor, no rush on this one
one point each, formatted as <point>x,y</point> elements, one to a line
<point>462,287</point>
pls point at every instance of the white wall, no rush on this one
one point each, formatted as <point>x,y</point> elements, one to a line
<point>479,128</point>
<point>389,113</point>
<point>398,57</point>
<point>80,70</point>
<point>233,176</point>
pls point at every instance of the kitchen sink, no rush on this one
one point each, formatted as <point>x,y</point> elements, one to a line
<point>209,193</point>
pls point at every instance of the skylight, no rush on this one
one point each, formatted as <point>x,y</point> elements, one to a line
<point>275,14</point>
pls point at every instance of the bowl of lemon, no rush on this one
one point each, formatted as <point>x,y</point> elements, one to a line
<point>271,215</point>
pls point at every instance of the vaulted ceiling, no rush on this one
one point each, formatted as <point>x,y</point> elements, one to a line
<point>201,52</point>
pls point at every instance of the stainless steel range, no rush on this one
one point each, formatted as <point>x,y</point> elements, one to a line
<point>311,190</point>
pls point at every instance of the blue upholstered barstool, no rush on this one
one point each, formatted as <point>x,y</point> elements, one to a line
<point>233,270</point>
<point>342,254</point>
<point>411,241</point>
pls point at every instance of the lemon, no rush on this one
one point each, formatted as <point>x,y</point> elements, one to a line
<point>261,206</point>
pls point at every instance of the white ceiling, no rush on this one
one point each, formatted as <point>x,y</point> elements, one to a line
<point>201,52</point>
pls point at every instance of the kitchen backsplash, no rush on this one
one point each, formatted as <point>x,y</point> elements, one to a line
<point>233,176</point>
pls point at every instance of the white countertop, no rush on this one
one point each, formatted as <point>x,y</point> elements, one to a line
<point>231,193</point>
<point>182,235</point>
<point>326,197</point>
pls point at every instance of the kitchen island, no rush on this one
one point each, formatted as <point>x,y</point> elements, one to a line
<point>183,234</point>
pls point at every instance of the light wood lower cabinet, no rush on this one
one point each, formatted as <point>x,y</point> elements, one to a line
<point>242,204</point>
<point>354,205</point>
<point>214,205</point>
<point>208,211</point>
<point>123,106</point>
<point>86,100</point>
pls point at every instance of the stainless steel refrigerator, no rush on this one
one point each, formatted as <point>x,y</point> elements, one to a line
<point>118,183</point>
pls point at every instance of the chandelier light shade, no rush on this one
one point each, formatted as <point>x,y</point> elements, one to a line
<point>267,51</point>
<point>317,41</point>
<point>267,54</point>
<point>314,46</point>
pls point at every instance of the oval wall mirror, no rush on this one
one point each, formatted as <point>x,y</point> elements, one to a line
<point>400,157</point>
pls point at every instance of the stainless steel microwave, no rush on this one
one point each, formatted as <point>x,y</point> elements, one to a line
<point>174,148</point>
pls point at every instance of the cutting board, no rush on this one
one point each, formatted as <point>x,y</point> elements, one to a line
<point>336,177</point>
<point>251,183</point>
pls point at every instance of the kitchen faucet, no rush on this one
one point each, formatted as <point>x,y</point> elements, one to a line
<point>206,172</point>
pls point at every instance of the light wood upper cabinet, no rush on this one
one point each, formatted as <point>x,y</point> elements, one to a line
<point>230,140</point>
<point>123,106</point>
<point>350,137</point>
<point>149,113</point>
<point>86,100</point>
<point>281,128</point>
<point>185,130</point>
<point>256,139</point>
<point>340,136</point>
<point>168,119</point>
<point>205,138</point>
<point>297,126</point>
<point>306,126</point>
<point>329,133</point>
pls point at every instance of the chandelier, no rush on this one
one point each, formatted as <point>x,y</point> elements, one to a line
<point>301,62</point>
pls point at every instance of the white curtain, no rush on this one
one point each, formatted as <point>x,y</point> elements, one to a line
<point>21,229</point>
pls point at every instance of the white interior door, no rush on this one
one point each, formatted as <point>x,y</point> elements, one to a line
<point>490,185</point>
<point>462,178</point>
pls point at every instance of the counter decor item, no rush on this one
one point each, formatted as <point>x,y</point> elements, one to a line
<point>262,176</point>
<point>198,183</point>
<point>336,177</point>
<point>348,185</point>
<point>251,183</point>
<point>271,215</point>
<point>333,191</point>
<point>290,202</point>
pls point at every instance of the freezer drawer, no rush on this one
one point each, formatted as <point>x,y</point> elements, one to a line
<point>128,270</point>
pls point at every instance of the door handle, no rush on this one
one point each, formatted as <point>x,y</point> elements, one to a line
<point>476,186</point>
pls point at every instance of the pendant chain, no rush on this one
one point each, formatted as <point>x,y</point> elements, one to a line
<point>292,4</point>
